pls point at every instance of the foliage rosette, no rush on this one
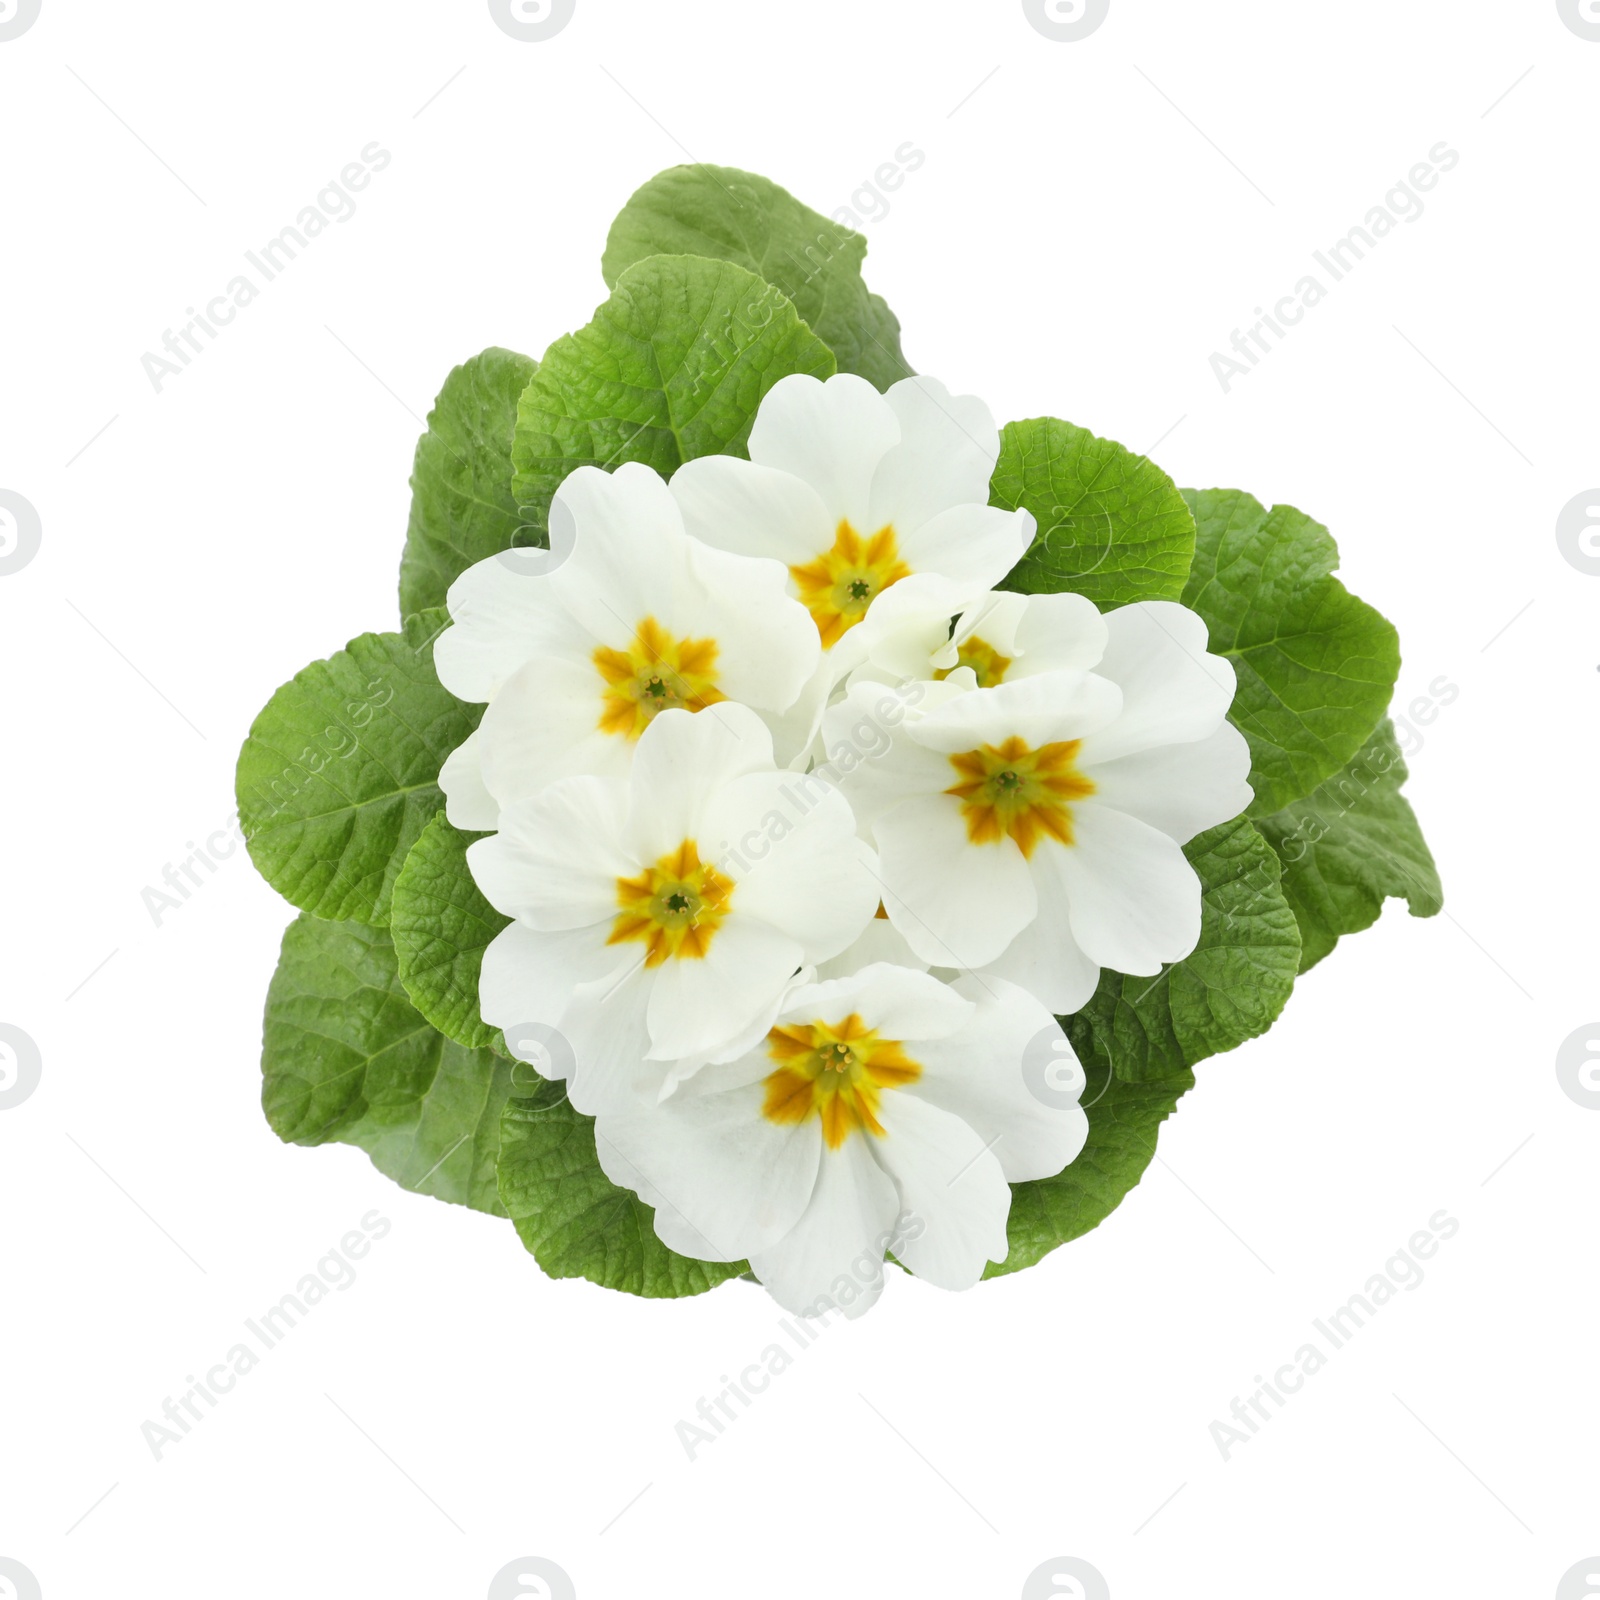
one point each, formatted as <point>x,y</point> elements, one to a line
<point>799,824</point>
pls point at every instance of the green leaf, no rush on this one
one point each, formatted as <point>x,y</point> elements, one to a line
<point>339,775</point>
<point>737,216</point>
<point>462,507</point>
<point>575,1221</point>
<point>1351,843</point>
<point>673,366</point>
<point>1123,1124</point>
<point>1316,665</point>
<point>1230,988</point>
<point>441,925</point>
<point>346,1057</point>
<point>1112,525</point>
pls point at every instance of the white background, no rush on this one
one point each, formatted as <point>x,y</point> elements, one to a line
<point>1073,244</point>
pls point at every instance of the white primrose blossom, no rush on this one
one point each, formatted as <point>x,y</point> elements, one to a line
<point>883,1111</point>
<point>763,747</point>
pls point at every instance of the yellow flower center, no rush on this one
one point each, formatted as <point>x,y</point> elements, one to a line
<point>987,664</point>
<point>835,1071</point>
<point>841,583</point>
<point>673,908</point>
<point>655,673</point>
<point>1009,789</point>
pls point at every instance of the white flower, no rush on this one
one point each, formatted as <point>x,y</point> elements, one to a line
<point>885,1111</point>
<point>860,494</point>
<point>1032,829</point>
<point>661,917</point>
<point>637,619</point>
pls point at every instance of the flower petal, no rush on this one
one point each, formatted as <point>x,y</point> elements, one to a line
<point>725,1182</point>
<point>831,436</point>
<point>544,724</point>
<point>958,904</point>
<point>880,941</point>
<point>468,803</point>
<point>698,1004</point>
<point>1173,690</point>
<point>1012,1077</point>
<point>972,545</point>
<point>1132,897</point>
<point>502,615</point>
<point>1045,959</point>
<point>1055,633</point>
<point>896,1002</point>
<point>752,510</point>
<point>950,1184</point>
<point>1053,706</point>
<point>1180,788</point>
<point>946,455</point>
<point>832,1259</point>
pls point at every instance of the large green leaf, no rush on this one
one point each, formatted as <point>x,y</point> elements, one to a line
<point>575,1221</point>
<point>346,1057</point>
<point>1123,1122</point>
<point>462,507</point>
<point>339,775</point>
<point>441,925</point>
<point>1316,665</point>
<point>673,366</point>
<point>1350,844</point>
<point>737,216</point>
<point>1230,988</point>
<point>1111,525</point>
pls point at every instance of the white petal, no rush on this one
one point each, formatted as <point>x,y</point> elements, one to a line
<point>1173,691</point>
<point>606,1023</point>
<point>946,455</point>
<point>752,510</point>
<point>681,761</point>
<point>468,803</point>
<point>880,941</point>
<point>544,724</point>
<point>1181,789</point>
<point>502,616</point>
<point>869,755</point>
<point>1133,900</point>
<point>830,435</point>
<point>972,545</point>
<point>1054,706</point>
<point>958,904</point>
<point>896,1002</point>
<point>1045,959</point>
<point>557,858</point>
<point>699,1003</point>
<point>725,1182</point>
<point>950,1185</point>
<point>832,1259</point>
<point>1012,1077</point>
<point>1055,633</point>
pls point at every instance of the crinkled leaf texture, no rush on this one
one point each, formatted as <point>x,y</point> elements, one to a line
<point>340,772</point>
<point>574,1220</point>
<point>1111,525</point>
<point>462,507</point>
<point>1349,845</point>
<point>673,366</point>
<point>346,1057</point>
<point>737,216</point>
<point>441,925</point>
<point>1316,665</point>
